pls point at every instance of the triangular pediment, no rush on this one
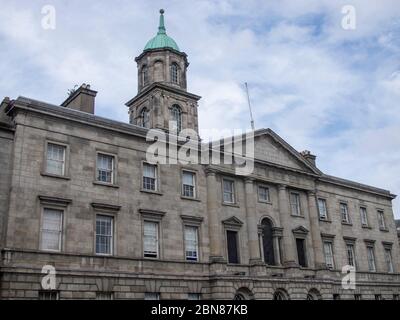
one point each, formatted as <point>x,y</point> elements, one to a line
<point>233,221</point>
<point>300,230</point>
<point>271,148</point>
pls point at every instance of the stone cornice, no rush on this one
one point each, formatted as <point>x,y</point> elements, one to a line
<point>159,85</point>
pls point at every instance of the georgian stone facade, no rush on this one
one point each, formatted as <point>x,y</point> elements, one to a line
<point>270,234</point>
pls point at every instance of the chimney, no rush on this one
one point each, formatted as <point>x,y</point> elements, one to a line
<point>81,99</point>
<point>309,157</point>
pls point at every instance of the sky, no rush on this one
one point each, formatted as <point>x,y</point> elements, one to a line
<point>319,84</point>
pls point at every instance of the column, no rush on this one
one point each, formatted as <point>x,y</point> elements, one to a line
<point>214,227</point>
<point>289,257</point>
<point>251,221</point>
<point>277,235</point>
<point>315,232</point>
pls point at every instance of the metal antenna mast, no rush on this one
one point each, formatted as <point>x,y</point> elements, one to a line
<point>248,100</point>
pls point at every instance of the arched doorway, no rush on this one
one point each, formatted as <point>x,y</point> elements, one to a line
<point>268,241</point>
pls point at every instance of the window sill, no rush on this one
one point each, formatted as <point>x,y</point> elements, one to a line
<point>230,204</point>
<point>297,216</point>
<point>51,175</point>
<point>151,192</point>
<point>191,199</point>
<point>325,220</point>
<point>151,258</point>
<point>264,201</point>
<point>347,223</point>
<point>105,184</point>
<point>366,227</point>
<point>384,229</point>
<point>104,254</point>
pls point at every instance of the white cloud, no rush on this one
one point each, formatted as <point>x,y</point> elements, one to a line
<point>320,87</point>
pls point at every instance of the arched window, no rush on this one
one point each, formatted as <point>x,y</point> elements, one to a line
<point>144,118</point>
<point>314,294</point>
<point>243,294</point>
<point>145,75</point>
<point>174,73</point>
<point>268,242</point>
<point>281,294</point>
<point>176,117</point>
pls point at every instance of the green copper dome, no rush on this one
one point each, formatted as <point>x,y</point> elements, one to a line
<point>161,40</point>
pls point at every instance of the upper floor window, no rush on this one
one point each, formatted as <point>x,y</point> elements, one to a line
<point>52,225</point>
<point>363,216</point>
<point>263,194</point>
<point>381,219</point>
<point>188,184</point>
<point>229,191</point>
<point>176,117</point>
<point>193,296</point>
<point>371,258</point>
<point>104,296</point>
<point>105,168</point>
<point>145,75</point>
<point>323,213</point>
<point>344,212</point>
<point>144,118</point>
<point>174,73</point>
<point>104,234</point>
<point>351,258</point>
<point>149,177</point>
<point>191,243</point>
<point>328,252</point>
<point>150,239</point>
<point>55,159</point>
<point>388,260</point>
<point>295,203</point>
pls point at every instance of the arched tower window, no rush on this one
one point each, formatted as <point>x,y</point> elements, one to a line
<point>174,73</point>
<point>145,75</point>
<point>144,118</point>
<point>268,242</point>
<point>176,116</point>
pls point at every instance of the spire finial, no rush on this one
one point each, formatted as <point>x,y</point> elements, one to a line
<point>161,27</point>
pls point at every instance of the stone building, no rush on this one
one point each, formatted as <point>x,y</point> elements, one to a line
<point>76,193</point>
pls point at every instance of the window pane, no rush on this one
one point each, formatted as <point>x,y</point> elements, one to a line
<point>344,212</point>
<point>363,213</point>
<point>188,184</point>
<point>55,159</point>
<point>150,239</point>
<point>322,208</point>
<point>191,243</point>
<point>388,258</point>
<point>52,229</point>
<point>228,191</point>
<point>104,234</point>
<point>371,259</point>
<point>149,176</point>
<point>328,255</point>
<point>381,219</point>
<point>295,203</point>
<point>263,193</point>
<point>105,167</point>
<point>350,255</point>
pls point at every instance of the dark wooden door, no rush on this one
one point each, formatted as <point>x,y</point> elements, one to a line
<point>301,253</point>
<point>232,247</point>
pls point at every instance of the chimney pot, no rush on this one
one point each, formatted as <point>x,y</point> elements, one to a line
<point>82,99</point>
